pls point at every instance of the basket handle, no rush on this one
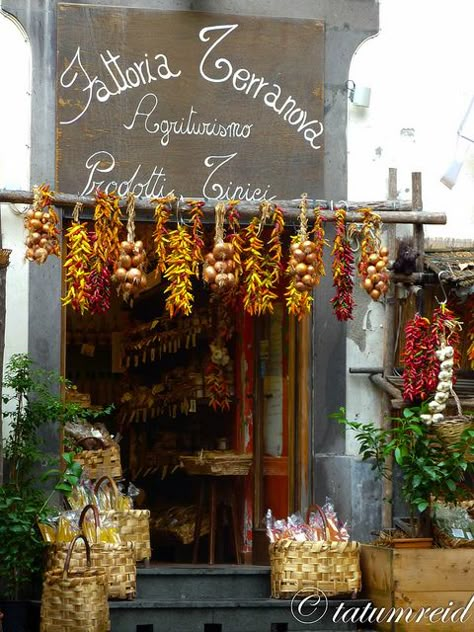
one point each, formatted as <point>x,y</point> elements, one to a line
<point>113,487</point>
<point>95,512</point>
<point>70,550</point>
<point>317,509</point>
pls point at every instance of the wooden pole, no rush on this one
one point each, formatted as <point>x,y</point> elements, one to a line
<point>388,358</point>
<point>418,233</point>
<point>403,214</point>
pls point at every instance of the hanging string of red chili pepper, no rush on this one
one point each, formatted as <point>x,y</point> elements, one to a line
<point>469,311</point>
<point>446,328</point>
<point>419,379</point>
<point>77,264</point>
<point>106,247</point>
<point>342,270</point>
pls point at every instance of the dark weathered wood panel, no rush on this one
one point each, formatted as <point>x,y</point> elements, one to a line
<point>206,105</point>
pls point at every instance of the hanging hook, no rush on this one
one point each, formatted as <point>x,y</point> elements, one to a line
<point>443,289</point>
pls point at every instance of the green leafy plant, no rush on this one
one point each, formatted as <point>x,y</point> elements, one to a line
<point>31,402</point>
<point>428,468</point>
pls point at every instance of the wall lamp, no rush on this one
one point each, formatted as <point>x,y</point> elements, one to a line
<point>465,136</point>
<point>358,95</point>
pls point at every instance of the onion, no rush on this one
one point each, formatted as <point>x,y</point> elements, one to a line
<point>210,259</point>
<point>308,246</point>
<point>299,255</point>
<point>127,247</point>
<point>311,270</point>
<point>295,245</point>
<point>30,213</point>
<point>229,250</point>
<point>367,284</point>
<point>30,254</point>
<point>36,224</point>
<point>221,279</point>
<point>38,214</point>
<point>133,275</point>
<point>35,237</point>
<point>209,274</point>
<point>381,286</point>
<point>143,281</point>
<point>125,261</point>
<point>373,258</point>
<point>308,280</point>
<point>371,270</point>
<point>120,274</point>
<point>311,257</point>
<point>375,295</point>
<point>380,265</point>
<point>137,260</point>
<point>139,246</point>
<point>301,269</point>
<point>128,287</point>
<point>383,251</point>
<point>220,266</point>
<point>231,278</point>
<point>300,286</point>
<point>219,251</point>
<point>41,254</point>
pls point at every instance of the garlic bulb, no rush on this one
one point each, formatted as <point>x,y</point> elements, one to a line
<point>438,418</point>
<point>441,397</point>
<point>447,364</point>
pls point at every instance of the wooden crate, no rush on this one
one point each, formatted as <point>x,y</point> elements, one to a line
<point>416,579</point>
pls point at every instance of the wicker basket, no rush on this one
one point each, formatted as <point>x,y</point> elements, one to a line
<point>305,567</point>
<point>116,560</point>
<point>99,463</point>
<point>450,430</point>
<point>75,601</point>
<point>219,463</point>
<point>132,525</point>
<point>447,541</point>
<point>180,523</point>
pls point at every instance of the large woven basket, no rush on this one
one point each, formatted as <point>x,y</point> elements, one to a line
<point>305,567</point>
<point>97,463</point>
<point>133,525</point>
<point>75,600</point>
<point>116,560</point>
<point>218,463</point>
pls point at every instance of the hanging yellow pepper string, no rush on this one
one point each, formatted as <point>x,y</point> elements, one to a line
<point>77,264</point>
<point>179,271</point>
<point>260,270</point>
<point>197,215</point>
<point>319,239</point>
<point>235,238</point>
<point>160,234</point>
<point>298,296</point>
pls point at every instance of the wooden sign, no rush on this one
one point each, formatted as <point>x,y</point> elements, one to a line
<point>199,104</point>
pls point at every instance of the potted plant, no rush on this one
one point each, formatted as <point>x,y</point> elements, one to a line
<point>428,468</point>
<point>407,586</point>
<point>29,404</point>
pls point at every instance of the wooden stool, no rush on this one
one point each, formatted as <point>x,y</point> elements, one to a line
<point>209,487</point>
